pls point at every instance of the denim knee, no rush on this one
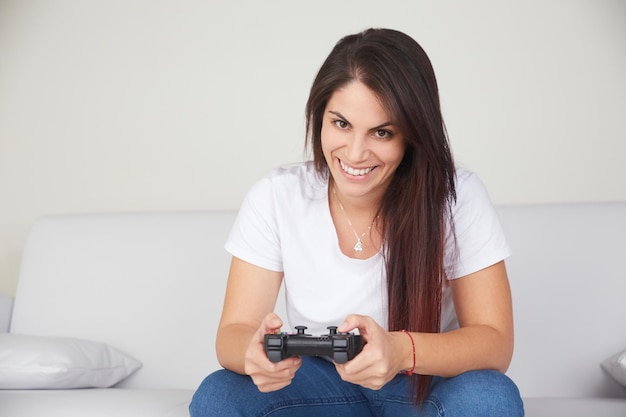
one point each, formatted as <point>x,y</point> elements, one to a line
<point>316,390</point>
<point>218,392</point>
<point>478,393</point>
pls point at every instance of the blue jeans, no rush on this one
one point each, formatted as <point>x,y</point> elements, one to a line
<point>317,390</point>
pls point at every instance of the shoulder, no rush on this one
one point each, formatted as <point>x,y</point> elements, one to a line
<point>468,182</point>
<point>272,213</point>
<point>283,184</point>
<point>300,174</point>
<point>478,235</point>
<point>471,193</point>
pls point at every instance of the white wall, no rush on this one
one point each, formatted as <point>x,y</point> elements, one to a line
<point>127,105</point>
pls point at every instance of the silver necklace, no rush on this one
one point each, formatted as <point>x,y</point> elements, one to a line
<point>358,246</point>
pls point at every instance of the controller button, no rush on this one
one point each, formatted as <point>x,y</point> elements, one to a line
<point>340,343</point>
<point>341,357</point>
<point>274,342</point>
<point>274,356</point>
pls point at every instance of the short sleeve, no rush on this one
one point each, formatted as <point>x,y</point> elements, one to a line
<point>477,239</point>
<point>254,237</point>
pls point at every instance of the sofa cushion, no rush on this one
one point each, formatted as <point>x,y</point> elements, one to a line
<point>574,407</point>
<point>567,281</point>
<point>150,284</point>
<point>43,362</point>
<point>105,402</point>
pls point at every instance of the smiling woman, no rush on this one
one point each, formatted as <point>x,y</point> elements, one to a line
<point>401,246</point>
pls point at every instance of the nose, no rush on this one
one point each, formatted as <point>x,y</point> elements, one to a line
<point>357,148</point>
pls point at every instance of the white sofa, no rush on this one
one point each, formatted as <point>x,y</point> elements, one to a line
<point>150,285</point>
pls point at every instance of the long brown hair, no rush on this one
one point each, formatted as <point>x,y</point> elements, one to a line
<point>415,211</point>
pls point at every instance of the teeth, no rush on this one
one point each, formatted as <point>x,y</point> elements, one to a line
<point>356,172</point>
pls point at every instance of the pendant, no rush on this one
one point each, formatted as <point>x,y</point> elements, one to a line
<point>358,247</point>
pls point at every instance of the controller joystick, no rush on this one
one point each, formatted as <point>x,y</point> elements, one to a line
<point>300,330</point>
<point>339,346</point>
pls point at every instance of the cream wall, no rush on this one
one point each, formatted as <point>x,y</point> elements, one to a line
<point>127,105</point>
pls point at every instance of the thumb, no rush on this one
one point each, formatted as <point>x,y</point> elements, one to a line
<point>271,323</point>
<point>351,322</point>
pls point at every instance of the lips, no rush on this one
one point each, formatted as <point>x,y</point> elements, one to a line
<point>357,172</point>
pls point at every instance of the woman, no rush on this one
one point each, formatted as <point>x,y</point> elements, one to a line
<point>379,234</point>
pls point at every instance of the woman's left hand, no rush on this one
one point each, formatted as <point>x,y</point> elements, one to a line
<point>381,359</point>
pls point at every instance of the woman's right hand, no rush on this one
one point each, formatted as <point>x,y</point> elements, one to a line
<point>269,376</point>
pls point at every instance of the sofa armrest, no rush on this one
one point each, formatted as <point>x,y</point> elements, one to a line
<point>6,309</point>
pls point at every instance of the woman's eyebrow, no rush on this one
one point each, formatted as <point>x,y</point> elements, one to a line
<point>380,126</point>
<point>336,113</point>
<point>341,116</point>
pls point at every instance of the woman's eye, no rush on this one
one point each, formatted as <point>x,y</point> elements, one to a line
<point>383,134</point>
<point>341,124</point>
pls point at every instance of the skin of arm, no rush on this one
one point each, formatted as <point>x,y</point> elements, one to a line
<point>247,316</point>
<point>483,341</point>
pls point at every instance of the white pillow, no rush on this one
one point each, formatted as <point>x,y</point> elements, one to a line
<point>40,362</point>
<point>616,367</point>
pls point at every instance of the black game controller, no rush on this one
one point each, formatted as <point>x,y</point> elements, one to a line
<point>341,347</point>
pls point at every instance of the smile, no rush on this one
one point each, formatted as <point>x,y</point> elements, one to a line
<point>356,172</point>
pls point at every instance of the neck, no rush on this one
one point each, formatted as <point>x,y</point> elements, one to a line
<point>359,215</point>
<point>357,208</point>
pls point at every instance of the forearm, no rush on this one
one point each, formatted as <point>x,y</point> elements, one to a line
<point>231,345</point>
<point>465,349</point>
<point>250,297</point>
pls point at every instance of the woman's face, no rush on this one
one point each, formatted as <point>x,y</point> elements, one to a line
<point>361,145</point>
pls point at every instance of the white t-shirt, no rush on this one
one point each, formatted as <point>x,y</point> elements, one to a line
<point>284,225</point>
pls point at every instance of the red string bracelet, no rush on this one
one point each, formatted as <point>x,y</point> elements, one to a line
<point>410,372</point>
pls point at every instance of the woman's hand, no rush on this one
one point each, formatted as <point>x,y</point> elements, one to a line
<point>382,358</point>
<point>268,376</point>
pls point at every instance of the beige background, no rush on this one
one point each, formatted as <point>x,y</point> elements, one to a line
<point>142,105</point>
